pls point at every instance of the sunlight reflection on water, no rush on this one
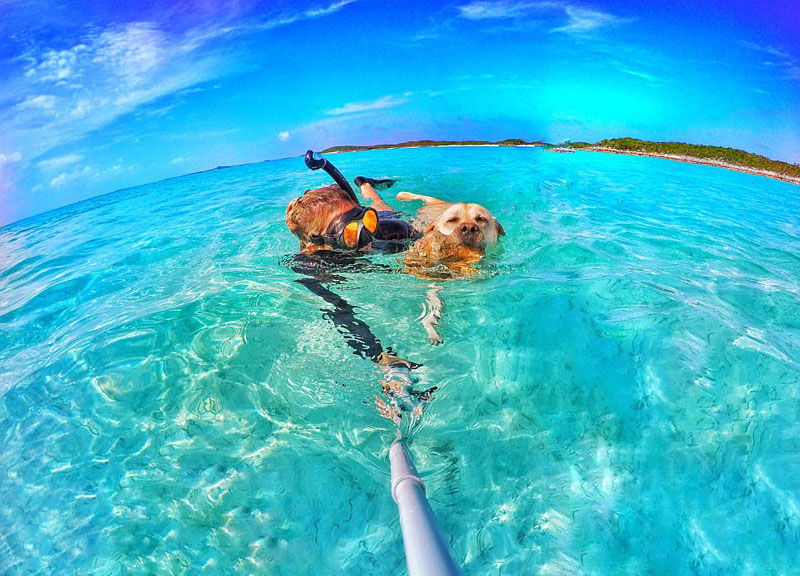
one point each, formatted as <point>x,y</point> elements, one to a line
<point>619,393</point>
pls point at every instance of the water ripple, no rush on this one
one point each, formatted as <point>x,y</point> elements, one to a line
<point>617,390</point>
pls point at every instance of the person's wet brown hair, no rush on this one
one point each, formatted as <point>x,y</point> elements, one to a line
<point>310,214</point>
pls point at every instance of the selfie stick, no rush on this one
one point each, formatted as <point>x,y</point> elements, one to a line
<point>427,554</point>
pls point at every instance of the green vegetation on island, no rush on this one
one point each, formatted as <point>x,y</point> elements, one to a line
<point>432,143</point>
<point>710,154</point>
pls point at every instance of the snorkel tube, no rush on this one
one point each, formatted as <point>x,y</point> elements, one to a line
<point>314,162</point>
<point>353,229</point>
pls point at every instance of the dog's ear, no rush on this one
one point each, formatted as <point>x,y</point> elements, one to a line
<point>500,231</point>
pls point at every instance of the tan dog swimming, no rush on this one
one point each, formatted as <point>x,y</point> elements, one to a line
<point>456,235</point>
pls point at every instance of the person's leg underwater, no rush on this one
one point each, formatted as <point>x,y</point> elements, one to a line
<point>368,186</point>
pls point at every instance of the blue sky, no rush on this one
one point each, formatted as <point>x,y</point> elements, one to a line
<point>99,96</point>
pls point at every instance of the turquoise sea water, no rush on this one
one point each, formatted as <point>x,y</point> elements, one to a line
<point>618,394</point>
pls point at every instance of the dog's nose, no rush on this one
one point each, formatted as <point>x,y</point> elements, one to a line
<point>469,228</point>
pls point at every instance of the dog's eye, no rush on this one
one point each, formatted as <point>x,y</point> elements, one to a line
<point>481,219</point>
<point>452,220</point>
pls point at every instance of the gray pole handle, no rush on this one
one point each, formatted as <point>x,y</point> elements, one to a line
<point>427,554</point>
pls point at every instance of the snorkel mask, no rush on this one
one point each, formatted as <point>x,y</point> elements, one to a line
<point>353,230</point>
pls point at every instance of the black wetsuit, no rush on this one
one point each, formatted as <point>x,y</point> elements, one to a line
<point>393,228</point>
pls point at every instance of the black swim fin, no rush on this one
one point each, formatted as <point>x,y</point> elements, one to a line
<point>378,184</point>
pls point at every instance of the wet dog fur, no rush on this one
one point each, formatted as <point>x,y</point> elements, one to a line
<point>455,234</point>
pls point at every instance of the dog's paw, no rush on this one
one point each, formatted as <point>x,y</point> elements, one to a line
<point>434,338</point>
<point>432,313</point>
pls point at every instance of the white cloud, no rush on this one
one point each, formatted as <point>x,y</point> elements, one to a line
<point>585,20</point>
<point>60,161</point>
<point>178,160</point>
<point>131,52</point>
<point>202,35</point>
<point>480,10</point>
<point>157,112</point>
<point>81,108</point>
<point>56,65</point>
<point>581,19</point>
<point>636,73</point>
<point>63,94</point>
<point>125,52</point>
<point>40,103</point>
<point>784,61</point>
<point>106,74</point>
<point>354,107</point>
<point>284,136</point>
<point>305,15</point>
<point>772,50</point>
<point>335,7</point>
<point>10,158</point>
<point>644,75</point>
<point>66,177</point>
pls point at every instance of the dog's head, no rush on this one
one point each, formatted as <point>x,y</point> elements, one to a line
<point>311,214</point>
<point>469,225</point>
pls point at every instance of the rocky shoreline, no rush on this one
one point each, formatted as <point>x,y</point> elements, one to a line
<point>703,161</point>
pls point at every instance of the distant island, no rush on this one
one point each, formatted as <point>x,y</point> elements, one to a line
<point>432,144</point>
<point>729,158</point>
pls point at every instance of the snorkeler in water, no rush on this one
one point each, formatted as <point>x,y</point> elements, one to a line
<point>334,229</point>
<point>332,217</point>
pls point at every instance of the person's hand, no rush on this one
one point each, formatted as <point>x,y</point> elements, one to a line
<point>387,410</point>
